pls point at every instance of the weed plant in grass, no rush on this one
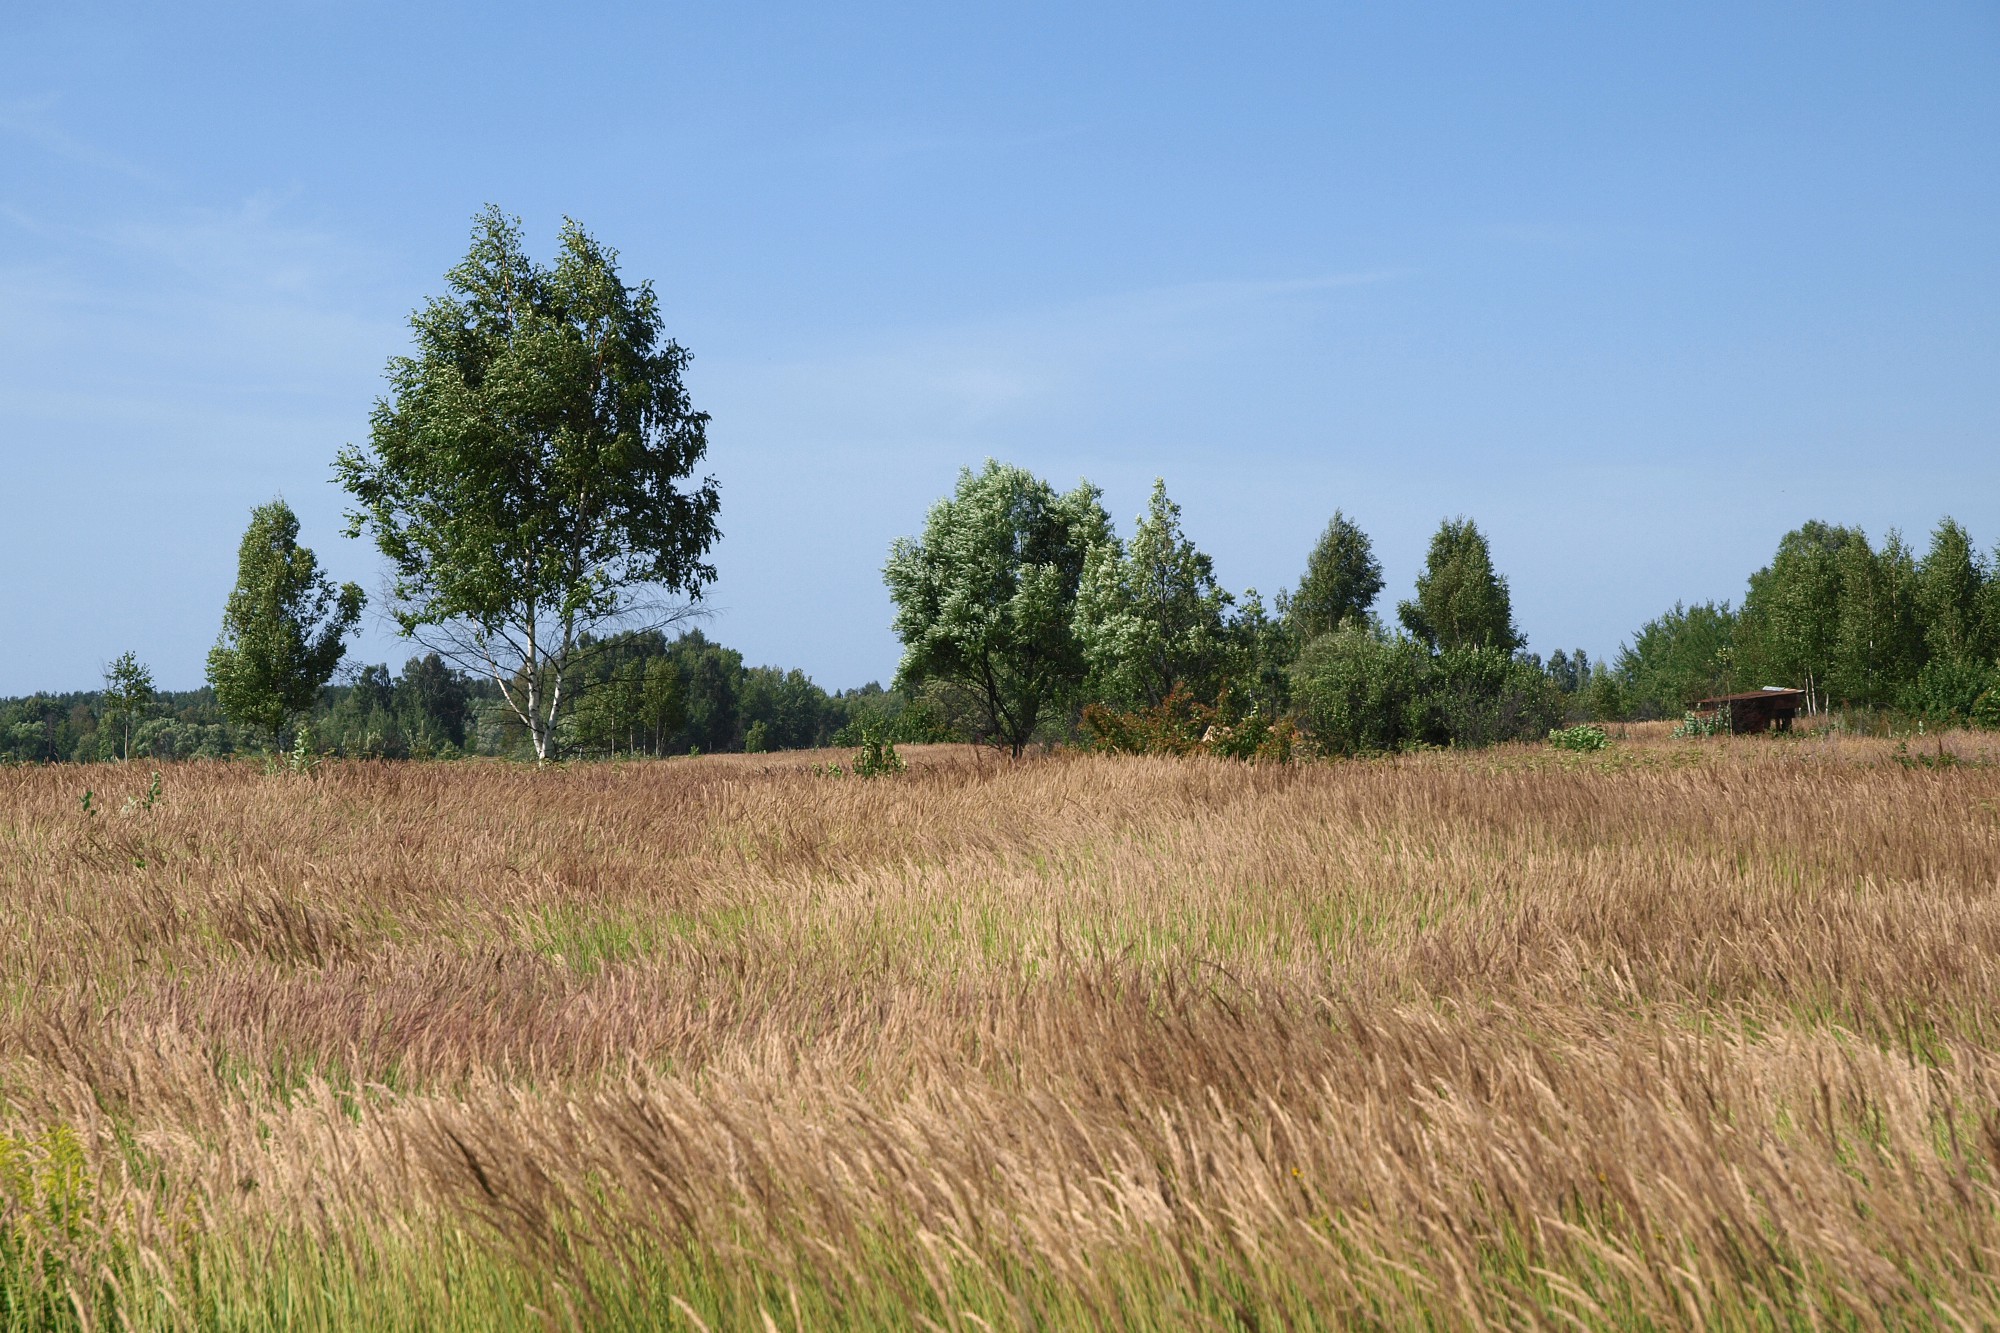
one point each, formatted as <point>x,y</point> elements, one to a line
<point>1665,1035</point>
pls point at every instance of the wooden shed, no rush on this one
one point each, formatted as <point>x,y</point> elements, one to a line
<point>1758,710</point>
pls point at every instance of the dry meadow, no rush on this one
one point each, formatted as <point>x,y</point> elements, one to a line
<point>1680,1034</point>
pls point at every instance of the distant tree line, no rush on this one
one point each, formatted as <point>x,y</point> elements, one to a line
<point>530,481</point>
<point>643,694</point>
<point>1857,626</point>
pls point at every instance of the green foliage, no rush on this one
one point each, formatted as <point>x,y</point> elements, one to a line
<point>1937,758</point>
<point>1790,627</point>
<point>1986,709</point>
<point>986,597</point>
<point>128,694</point>
<point>1584,739</point>
<point>282,628</point>
<point>1341,582</point>
<point>1879,641</point>
<point>303,760</point>
<point>147,799</point>
<point>1695,725</point>
<point>1478,696</point>
<point>1265,645</point>
<point>632,702</point>
<point>877,757</point>
<point>1602,697</point>
<point>1569,671</point>
<point>1359,691</point>
<point>1676,660</point>
<point>1948,689</point>
<point>1151,617</point>
<point>1181,724</point>
<point>49,1212</point>
<point>522,476</point>
<point>1461,602</point>
<point>1950,583</point>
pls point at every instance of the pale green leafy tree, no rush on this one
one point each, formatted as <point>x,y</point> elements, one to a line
<point>1878,644</point>
<point>1461,602</point>
<point>1150,615</point>
<point>525,475</point>
<point>986,597</point>
<point>128,693</point>
<point>283,628</point>
<point>1789,630</point>
<point>1950,580</point>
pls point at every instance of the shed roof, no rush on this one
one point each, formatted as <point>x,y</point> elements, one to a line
<point>1768,693</point>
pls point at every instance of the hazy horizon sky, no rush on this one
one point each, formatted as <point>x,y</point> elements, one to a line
<point>1637,289</point>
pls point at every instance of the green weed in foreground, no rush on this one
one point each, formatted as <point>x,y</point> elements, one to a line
<point>1585,739</point>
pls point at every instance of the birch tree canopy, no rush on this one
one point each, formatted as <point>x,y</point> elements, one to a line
<point>529,475</point>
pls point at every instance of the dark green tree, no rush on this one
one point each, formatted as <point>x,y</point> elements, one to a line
<point>1461,602</point>
<point>1358,690</point>
<point>433,703</point>
<point>661,708</point>
<point>1341,582</point>
<point>282,628</point>
<point>524,475</point>
<point>986,597</point>
<point>1677,659</point>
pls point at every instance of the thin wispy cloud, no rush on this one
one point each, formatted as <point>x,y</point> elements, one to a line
<point>33,123</point>
<point>977,374</point>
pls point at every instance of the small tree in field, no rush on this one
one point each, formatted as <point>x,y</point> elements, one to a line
<point>282,628</point>
<point>523,477</point>
<point>986,598</point>
<point>128,693</point>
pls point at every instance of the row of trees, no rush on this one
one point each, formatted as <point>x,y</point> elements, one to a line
<point>1024,606</point>
<point>529,479</point>
<point>1856,625</point>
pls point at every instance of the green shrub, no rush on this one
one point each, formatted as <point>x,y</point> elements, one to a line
<point>1583,739</point>
<point>877,757</point>
<point>1181,724</point>
<point>1948,689</point>
<point>1696,725</point>
<point>1986,709</point>
<point>1357,691</point>
<point>1482,696</point>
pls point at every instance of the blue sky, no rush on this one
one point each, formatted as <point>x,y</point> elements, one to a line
<point>1638,289</point>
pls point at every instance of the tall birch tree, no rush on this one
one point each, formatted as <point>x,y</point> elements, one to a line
<point>529,475</point>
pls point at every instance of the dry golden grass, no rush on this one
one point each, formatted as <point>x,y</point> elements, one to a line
<point>1679,1034</point>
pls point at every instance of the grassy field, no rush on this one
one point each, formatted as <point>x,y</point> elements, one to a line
<point>1674,1035</point>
